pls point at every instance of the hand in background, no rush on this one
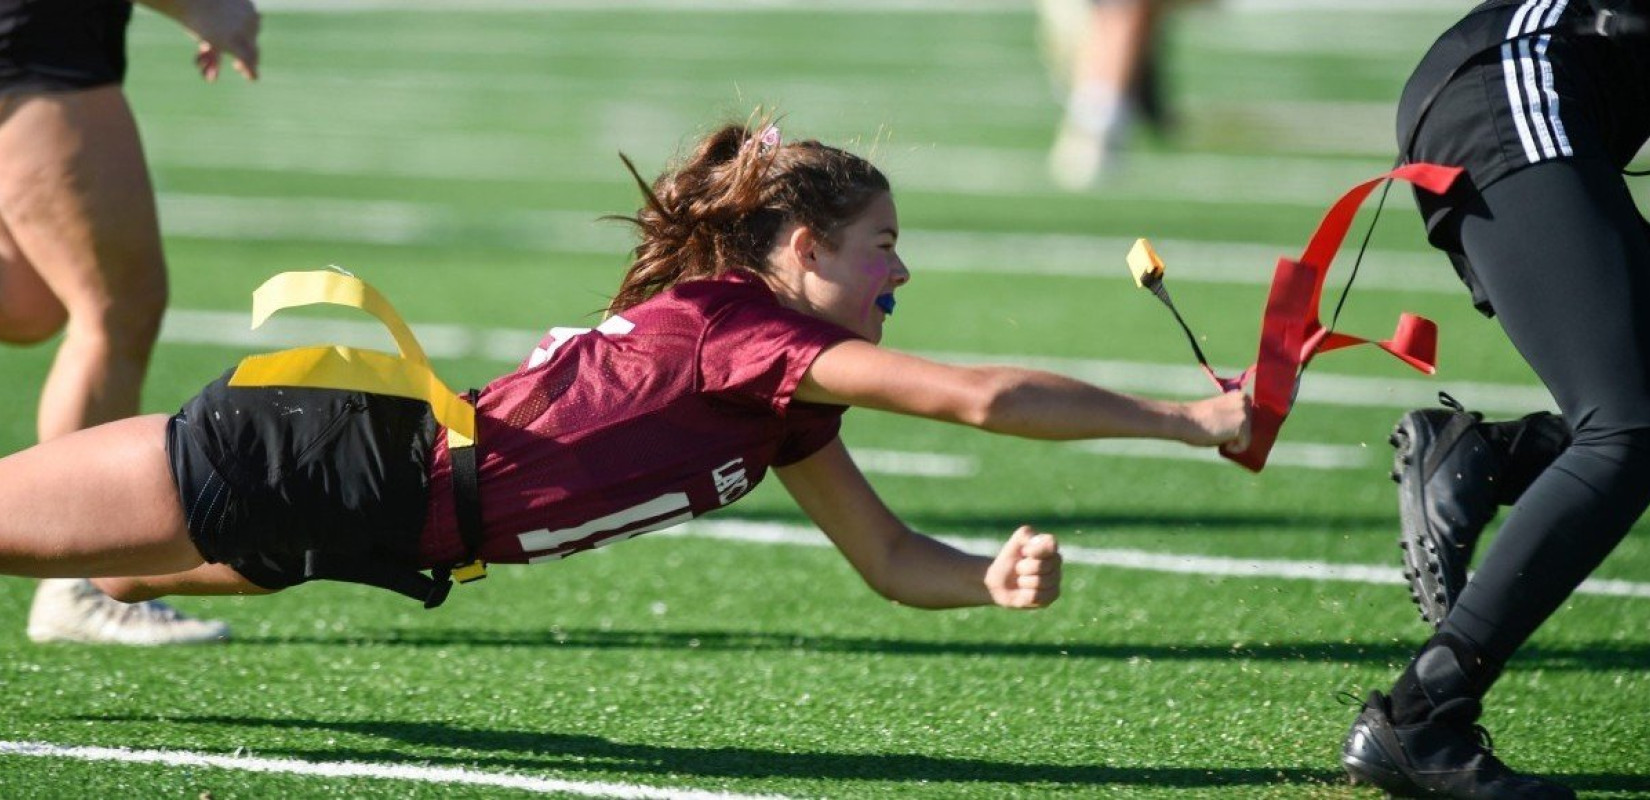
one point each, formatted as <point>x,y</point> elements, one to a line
<point>219,26</point>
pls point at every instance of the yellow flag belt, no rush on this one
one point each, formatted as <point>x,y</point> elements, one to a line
<point>336,366</point>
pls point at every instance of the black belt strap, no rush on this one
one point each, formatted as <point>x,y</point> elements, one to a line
<point>431,591</point>
<point>467,493</point>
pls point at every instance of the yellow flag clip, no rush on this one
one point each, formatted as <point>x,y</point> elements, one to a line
<point>1144,264</point>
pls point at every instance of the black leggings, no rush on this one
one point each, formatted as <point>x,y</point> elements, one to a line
<point>1561,251</point>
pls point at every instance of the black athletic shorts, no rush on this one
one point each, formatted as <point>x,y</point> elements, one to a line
<point>1493,99</point>
<point>266,474</point>
<point>61,45</point>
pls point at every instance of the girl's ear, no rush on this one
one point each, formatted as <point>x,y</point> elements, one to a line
<point>801,246</point>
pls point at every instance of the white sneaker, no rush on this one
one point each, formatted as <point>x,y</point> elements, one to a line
<point>73,610</point>
<point>1091,136</point>
<point>1078,159</point>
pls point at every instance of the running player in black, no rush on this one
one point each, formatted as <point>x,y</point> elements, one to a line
<point>1543,102</point>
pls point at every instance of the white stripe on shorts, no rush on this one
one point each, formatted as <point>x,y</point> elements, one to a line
<point>1529,79</point>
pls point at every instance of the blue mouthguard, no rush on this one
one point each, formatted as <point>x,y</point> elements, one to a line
<point>886,303</point>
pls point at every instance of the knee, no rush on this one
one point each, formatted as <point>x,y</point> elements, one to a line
<point>136,312</point>
<point>1631,437</point>
<point>125,322</point>
<point>33,325</point>
<point>1624,448</point>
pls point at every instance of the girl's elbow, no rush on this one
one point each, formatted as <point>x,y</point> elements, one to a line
<point>880,579</point>
<point>992,405</point>
<point>884,591</point>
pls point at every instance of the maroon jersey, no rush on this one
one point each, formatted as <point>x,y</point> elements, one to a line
<point>670,410</point>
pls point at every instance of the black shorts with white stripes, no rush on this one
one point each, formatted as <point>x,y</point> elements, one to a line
<point>1514,84</point>
<point>267,473</point>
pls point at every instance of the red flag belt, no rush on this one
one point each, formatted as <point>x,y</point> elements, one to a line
<point>1291,334</point>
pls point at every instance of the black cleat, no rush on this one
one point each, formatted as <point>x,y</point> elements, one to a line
<point>1447,755</point>
<point>1446,472</point>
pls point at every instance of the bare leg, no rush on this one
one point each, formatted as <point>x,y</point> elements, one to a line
<point>95,502</point>
<point>1118,33</point>
<point>80,243</point>
<point>29,312</point>
<point>206,579</point>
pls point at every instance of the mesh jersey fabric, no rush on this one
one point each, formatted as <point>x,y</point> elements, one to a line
<point>670,410</point>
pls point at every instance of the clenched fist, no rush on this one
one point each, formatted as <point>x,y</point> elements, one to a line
<point>1026,574</point>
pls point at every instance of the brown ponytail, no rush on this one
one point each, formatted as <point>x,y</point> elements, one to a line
<point>721,208</point>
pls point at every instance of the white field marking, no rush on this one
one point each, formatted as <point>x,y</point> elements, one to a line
<point>1331,6</point>
<point>921,465</point>
<point>1011,7</point>
<point>1397,41</point>
<point>386,222</point>
<point>1306,455</point>
<point>306,62</point>
<point>378,103</point>
<point>1288,569</point>
<point>1189,261</point>
<point>1016,7</point>
<point>229,329</point>
<point>390,222</point>
<point>1164,177</point>
<point>1318,388</point>
<point>1293,181</point>
<point>448,776</point>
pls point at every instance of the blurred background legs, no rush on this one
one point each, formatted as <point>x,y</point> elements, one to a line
<point>1105,53</point>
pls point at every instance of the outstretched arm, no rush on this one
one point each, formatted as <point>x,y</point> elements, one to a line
<point>1013,400</point>
<point>908,567</point>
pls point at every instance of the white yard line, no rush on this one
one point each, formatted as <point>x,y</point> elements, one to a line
<point>1189,260</point>
<point>997,172</point>
<point>918,465</point>
<point>1318,388</point>
<point>1018,7</point>
<point>1183,178</point>
<point>1014,7</point>
<point>446,776</point>
<point>1305,455</point>
<point>389,222</point>
<point>1287,569</point>
<point>231,329</point>
<point>1333,6</point>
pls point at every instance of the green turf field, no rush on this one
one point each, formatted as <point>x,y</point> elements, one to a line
<point>459,160</point>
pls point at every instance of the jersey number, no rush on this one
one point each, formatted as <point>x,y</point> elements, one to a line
<point>660,512</point>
